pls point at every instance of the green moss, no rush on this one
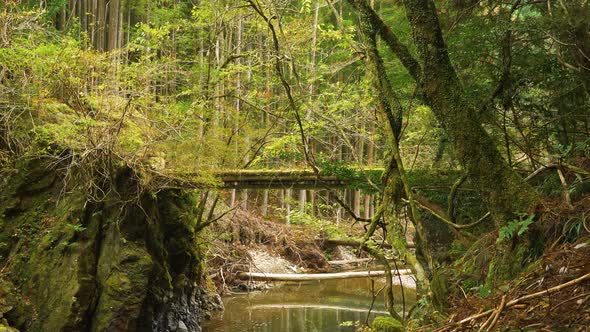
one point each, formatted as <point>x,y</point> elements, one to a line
<point>387,324</point>
<point>507,262</point>
<point>11,305</point>
<point>439,289</point>
<point>83,265</point>
<point>4,327</point>
<point>124,274</point>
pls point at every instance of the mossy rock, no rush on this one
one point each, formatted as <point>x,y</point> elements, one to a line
<point>98,266</point>
<point>387,324</point>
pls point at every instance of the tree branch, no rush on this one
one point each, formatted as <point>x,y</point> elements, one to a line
<point>390,39</point>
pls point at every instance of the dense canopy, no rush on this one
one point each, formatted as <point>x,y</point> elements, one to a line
<point>462,127</point>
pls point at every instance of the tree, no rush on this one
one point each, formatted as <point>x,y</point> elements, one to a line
<point>503,191</point>
<point>395,179</point>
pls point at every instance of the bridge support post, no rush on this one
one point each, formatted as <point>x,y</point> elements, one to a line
<point>232,200</point>
<point>357,202</point>
<point>264,208</point>
<point>312,201</point>
<point>244,199</point>
<point>367,207</point>
<point>288,203</point>
<point>302,200</point>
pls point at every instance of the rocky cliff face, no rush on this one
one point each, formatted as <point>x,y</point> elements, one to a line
<point>129,261</point>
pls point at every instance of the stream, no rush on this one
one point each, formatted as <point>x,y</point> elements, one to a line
<point>323,306</point>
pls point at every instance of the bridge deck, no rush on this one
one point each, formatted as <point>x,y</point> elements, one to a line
<point>294,179</point>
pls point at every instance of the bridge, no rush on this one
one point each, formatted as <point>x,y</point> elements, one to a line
<point>302,178</point>
<point>297,178</point>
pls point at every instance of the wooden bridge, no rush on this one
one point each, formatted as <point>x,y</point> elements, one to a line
<point>295,179</point>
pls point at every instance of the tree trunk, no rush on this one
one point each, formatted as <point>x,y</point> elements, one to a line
<point>396,183</point>
<point>503,191</point>
<point>113,27</point>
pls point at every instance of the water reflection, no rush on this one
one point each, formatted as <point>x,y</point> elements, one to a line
<point>332,305</point>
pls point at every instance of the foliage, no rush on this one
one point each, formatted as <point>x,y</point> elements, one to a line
<point>194,87</point>
<point>515,227</point>
<point>366,179</point>
<point>323,226</point>
<point>482,291</point>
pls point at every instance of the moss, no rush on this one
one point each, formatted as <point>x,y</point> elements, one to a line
<point>12,306</point>
<point>439,289</point>
<point>507,262</point>
<point>124,270</point>
<point>4,327</point>
<point>93,266</point>
<point>387,324</point>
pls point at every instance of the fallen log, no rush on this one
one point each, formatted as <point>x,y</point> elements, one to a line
<point>314,276</point>
<point>314,306</point>
<point>356,261</point>
<point>351,261</point>
<point>353,243</point>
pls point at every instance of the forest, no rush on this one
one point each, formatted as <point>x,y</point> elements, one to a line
<point>303,165</point>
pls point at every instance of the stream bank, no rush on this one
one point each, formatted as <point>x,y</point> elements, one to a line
<point>252,244</point>
<point>127,262</point>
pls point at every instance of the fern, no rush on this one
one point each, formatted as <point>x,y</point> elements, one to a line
<point>517,227</point>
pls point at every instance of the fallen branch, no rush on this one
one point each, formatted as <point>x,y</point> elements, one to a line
<point>441,214</point>
<point>528,297</point>
<point>576,169</point>
<point>494,317</point>
<point>355,261</point>
<point>564,186</point>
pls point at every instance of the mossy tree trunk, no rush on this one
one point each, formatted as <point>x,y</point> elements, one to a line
<point>395,180</point>
<point>504,192</point>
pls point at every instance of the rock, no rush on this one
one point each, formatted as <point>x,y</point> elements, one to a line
<point>216,303</point>
<point>263,262</point>
<point>100,266</point>
<point>181,327</point>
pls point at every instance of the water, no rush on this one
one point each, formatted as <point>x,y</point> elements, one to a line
<point>326,306</point>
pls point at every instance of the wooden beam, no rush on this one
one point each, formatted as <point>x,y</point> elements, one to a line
<point>296,179</point>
